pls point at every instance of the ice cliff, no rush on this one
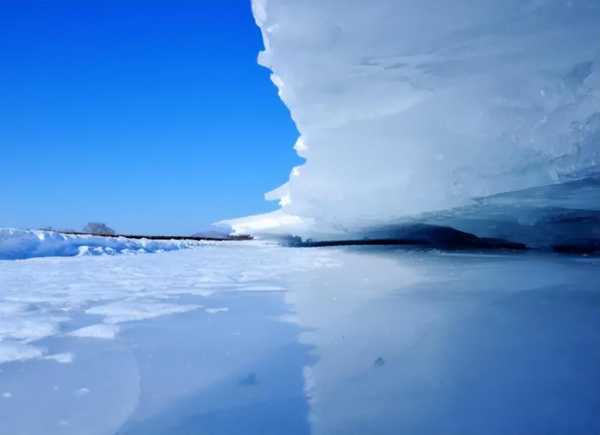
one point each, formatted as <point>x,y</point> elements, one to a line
<point>408,107</point>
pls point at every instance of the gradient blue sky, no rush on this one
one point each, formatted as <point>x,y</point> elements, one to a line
<point>152,116</point>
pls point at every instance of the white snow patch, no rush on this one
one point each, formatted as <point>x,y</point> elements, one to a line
<point>216,310</point>
<point>61,358</point>
<point>138,310</point>
<point>276,222</point>
<point>16,351</point>
<point>29,326</point>
<point>102,331</point>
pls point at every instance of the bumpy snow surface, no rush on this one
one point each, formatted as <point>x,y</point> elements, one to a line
<point>411,106</point>
<point>39,295</point>
<point>255,339</point>
<point>19,244</point>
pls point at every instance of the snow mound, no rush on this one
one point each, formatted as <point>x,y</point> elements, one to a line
<point>406,107</point>
<point>21,244</point>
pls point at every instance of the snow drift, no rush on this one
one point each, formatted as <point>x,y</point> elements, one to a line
<point>406,107</point>
<point>20,244</point>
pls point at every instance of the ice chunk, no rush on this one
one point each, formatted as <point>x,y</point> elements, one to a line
<point>20,244</point>
<point>408,106</point>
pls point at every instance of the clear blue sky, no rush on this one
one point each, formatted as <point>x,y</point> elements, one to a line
<point>152,116</point>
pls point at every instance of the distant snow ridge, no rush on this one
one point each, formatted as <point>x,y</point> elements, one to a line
<point>21,244</point>
<point>412,106</point>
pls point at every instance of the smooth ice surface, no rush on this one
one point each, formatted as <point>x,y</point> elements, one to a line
<point>408,106</point>
<point>19,244</point>
<point>255,338</point>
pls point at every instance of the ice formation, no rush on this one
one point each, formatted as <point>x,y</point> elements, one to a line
<point>320,341</point>
<point>20,244</point>
<point>93,297</point>
<point>408,106</point>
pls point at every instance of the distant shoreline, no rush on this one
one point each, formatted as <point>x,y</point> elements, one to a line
<point>150,237</point>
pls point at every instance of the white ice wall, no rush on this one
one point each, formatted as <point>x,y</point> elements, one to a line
<point>406,106</point>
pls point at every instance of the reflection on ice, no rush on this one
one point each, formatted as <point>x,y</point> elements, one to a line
<point>233,373</point>
<point>300,341</point>
<point>425,344</point>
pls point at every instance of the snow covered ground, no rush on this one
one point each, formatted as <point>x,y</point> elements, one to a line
<point>255,338</point>
<point>38,297</point>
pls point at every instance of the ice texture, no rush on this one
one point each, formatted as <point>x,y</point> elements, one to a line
<point>102,331</point>
<point>314,341</point>
<point>20,244</point>
<point>95,297</point>
<point>407,106</point>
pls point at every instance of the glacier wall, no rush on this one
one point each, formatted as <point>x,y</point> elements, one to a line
<point>409,106</point>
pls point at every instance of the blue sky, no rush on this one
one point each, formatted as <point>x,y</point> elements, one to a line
<point>152,116</point>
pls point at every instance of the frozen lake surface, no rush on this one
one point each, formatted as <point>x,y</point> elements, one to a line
<point>250,338</point>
